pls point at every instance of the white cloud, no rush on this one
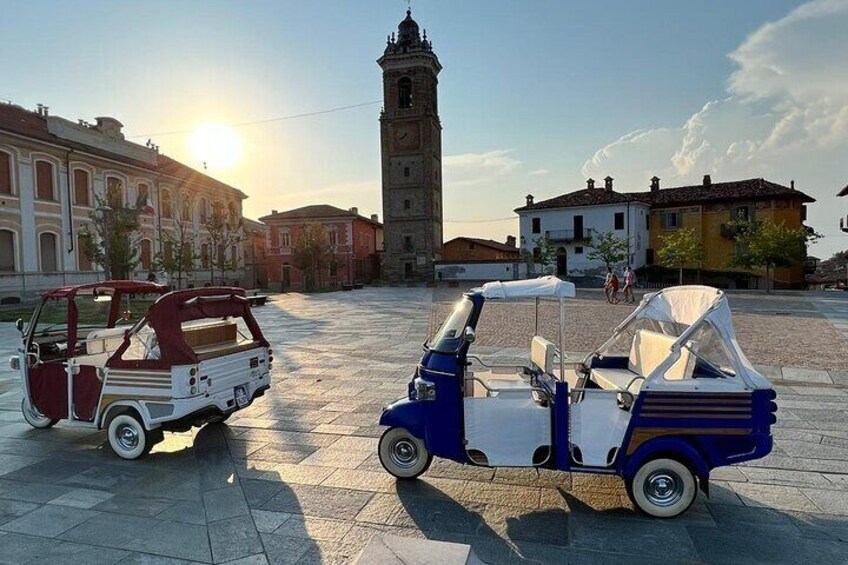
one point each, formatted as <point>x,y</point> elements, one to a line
<point>538,172</point>
<point>785,117</point>
<point>476,168</point>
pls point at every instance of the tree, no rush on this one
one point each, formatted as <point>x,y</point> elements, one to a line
<point>111,238</point>
<point>311,253</point>
<point>769,245</point>
<point>223,228</point>
<point>544,253</point>
<point>680,248</point>
<point>608,248</point>
<point>177,257</point>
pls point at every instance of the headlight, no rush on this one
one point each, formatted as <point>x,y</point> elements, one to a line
<point>15,363</point>
<point>424,389</point>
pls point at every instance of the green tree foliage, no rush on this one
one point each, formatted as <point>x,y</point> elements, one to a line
<point>312,253</point>
<point>768,245</point>
<point>608,248</point>
<point>111,238</point>
<point>679,249</point>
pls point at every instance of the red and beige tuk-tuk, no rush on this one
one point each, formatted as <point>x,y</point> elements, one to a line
<point>196,356</point>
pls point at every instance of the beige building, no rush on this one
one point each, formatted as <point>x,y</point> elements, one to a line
<point>51,172</point>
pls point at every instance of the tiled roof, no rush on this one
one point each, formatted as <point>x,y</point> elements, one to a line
<point>749,189</point>
<point>491,243</point>
<point>316,212</point>
<point>22,122</point>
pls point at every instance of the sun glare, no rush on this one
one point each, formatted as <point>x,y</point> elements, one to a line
<point>216,145</point>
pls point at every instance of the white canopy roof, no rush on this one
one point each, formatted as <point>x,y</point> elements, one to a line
<point>543,287</point>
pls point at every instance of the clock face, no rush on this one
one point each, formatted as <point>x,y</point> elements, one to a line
<point>406,136</point>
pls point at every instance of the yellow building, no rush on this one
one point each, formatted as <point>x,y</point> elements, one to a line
<point>709,208</point>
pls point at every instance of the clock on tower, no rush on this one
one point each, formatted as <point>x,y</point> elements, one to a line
<point>411,148</point>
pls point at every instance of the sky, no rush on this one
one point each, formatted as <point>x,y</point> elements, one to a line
<point>535,96</point>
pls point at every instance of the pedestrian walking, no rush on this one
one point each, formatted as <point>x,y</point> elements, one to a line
<point>614,289</point>
<point>629,281</point>
<point>608,284</point>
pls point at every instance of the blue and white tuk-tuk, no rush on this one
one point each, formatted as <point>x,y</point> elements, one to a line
<point>667,398</point>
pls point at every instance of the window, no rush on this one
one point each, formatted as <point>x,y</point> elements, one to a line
<point>204,255</point>
<point>232,213</point>
<point>82,184</point>
<point>285,238</point>
<point>578,250</point>
<point>407,243</point>
<point>114,193</point>
<point>5,173</point>
<point>670,220</point>
<point>619,220</point>
<point>537,225</point>
<point>406,172</point>
<point>649,256</point>
<point>405,93</point>
<point>407,204</point>
<point>334,236</point>
<point>84,262</point>
<point>7,251</point>
<point>537,253</point>
<point>168,250</point>
<point>648,221</point>
<point>234,255</point>
<point>166,204</point>
<point>146,255</point>
<point>143,194</point>
<point>49,255</point>
<point>185,210</point>
<point>44,181</point>
<point>742,213</point>
<point>203,206</point>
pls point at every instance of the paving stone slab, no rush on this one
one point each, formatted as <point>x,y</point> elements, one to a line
<point>663,540</point>
<point>326,502</point>
<point>12,509</point>
<point>223,503</point>
<point>234,538</point>
<point>830,502</point>
<point>135,505</point>
<point>49,521</point>
<point>82,498</point>
<point>773,496</point>
<point>718,545</point>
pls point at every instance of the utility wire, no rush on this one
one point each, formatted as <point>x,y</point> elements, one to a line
<point>479,221</point>
<point>265,121</point>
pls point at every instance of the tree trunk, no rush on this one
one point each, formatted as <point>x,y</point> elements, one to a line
<point>681,275</point>
<point>768,281</point>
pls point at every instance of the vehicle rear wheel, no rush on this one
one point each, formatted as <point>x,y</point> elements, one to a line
<point>128,438</point>
<point>663,488</point>
<point>402,454</point>
<point>35,418</point>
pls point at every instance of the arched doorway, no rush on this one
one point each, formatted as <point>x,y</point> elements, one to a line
<point>286,275</point>
<point>561,263</point>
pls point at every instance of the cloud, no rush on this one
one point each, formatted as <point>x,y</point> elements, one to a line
<point>785,117</point>
<point>470,169</point>
<point>539,173</point>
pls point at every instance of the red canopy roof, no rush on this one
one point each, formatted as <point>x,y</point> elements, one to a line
<point>137,287</point>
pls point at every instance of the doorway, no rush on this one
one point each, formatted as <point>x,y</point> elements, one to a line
<point>408,273</point>
<point>561,263</point>
<point>286,275</point>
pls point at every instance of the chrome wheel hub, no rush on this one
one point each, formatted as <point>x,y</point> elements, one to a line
<point>404,453</point>
<point>127,437</point>
<point>663,488</point>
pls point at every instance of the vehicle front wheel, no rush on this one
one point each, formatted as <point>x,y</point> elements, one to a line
<point>402,454</point>
<point>663,488</point>
<point>35,418</point>
<point>128,438</point>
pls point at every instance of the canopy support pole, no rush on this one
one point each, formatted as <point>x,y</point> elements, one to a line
<point>536,323</point>
<point>561,339</point>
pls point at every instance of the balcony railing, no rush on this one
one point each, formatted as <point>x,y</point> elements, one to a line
<point>568,235</point>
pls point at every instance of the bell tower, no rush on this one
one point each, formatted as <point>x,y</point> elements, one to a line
<point>411,148</point>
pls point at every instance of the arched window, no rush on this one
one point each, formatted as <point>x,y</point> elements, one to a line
<point>47,243</point>
<point>168,251</point>
<point>5,173</point>
<point>234,258</point>
<point>114,193</point>
<point>146,255</point>
<point>143,194</point>
<point>166,204</point>
<point>44,181</point>
<point>84,262</point>
<point>82,186</point>
<point>405,93</point>
<point>204,255</point>
<point>203,205</point>
<point>185,210</point>
<point>232,211</point>
<point>7,251</point>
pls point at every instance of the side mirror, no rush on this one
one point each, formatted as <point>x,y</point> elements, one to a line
<point>19,324</point>
<point>469,335</point>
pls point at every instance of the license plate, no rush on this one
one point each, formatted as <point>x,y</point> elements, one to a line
<point>241,397</point>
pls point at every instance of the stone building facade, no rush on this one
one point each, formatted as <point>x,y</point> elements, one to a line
<point>52,170</point>
<point>411,148</point>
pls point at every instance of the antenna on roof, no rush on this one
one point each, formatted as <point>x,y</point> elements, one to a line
<point>204,165</point>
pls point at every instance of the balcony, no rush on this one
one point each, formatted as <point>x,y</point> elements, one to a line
<point>568,235</point>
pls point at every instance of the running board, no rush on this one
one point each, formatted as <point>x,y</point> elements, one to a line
<point>386,549</point>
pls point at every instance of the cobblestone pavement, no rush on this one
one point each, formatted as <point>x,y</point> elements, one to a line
<point>295,478</point>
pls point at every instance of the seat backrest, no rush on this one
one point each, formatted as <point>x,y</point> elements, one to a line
<point>105,340</point>
<point>649,349</point>
<point>542,353</point>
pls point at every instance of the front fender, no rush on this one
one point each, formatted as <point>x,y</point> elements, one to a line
<point>405,413</point>
<point>671,447</point>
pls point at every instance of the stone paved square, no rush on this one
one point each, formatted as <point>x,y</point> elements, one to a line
<point>295,478</point>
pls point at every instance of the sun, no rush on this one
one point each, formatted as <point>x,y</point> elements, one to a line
<point>216,145</point>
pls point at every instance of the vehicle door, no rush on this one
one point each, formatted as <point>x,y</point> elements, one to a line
<point>44,359</point>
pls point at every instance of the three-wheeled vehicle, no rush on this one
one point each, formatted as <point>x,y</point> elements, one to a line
<point>667,398</point>
<point>196,356</point>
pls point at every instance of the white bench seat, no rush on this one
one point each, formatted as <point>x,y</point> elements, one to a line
<point>617,379</point>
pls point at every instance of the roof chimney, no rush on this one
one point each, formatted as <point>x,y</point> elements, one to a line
<point>529,199</point>
<point>590,183</point>
<point>110,127</point>
<point>608,183</point>
<point>708,182</point>
<point>655,183</point>
<point>510,240</point>
<point>792,184</point>
<point>375,218</point>
<point>354,210</point>
<point>273,212</point>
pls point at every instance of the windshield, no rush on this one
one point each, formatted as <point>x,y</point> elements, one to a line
<point>447,335</point>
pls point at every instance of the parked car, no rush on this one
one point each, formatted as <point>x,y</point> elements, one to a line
<point>196,356</point>
<point>667,398</point>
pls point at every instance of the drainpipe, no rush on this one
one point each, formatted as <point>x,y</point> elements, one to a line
<point>70,204</point>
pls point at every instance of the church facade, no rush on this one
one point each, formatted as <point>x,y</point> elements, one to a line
<point>411,149</point>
